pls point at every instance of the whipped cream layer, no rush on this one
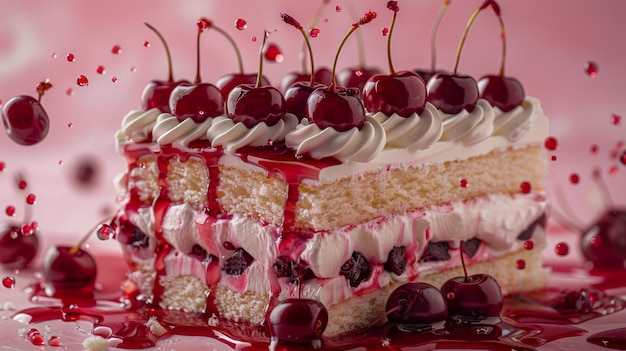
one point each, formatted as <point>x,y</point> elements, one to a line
<point>489,219</point>
<point>386,140</point>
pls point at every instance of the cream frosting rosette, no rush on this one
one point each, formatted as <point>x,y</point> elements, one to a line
<point>517,122</point>
<point>415,132</point>
<point>353,145</point>
<point>233,135</point>
<point>168,130</point>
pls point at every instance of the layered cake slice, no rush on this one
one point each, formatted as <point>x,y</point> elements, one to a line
<point>231,214</point>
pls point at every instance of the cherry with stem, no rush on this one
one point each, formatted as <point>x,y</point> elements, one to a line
<point>426,74</point>
<point>402,93</point>
<point>338,108</point>
<point>25,120</point>
<point>501,91</point>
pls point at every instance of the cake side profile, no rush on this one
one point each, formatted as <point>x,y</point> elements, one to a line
<point>232,211</point>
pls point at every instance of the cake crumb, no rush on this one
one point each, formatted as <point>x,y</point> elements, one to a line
<point>96,343</point>
<point>213,321</point>
<point>155,327</point>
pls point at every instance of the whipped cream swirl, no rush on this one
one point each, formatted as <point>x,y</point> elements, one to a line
<point>415,132</point>
<point>515,123</point>
<point>168,129</point>
<point>137,124</point>
<point>469,128</point>
<point>233,136</point>
<point>359,145</point>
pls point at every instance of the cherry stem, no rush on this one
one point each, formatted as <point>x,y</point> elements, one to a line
<point>360,47</point>
<point>369,16</point>
<point>433,35</point>
<point>465,32</point>
<point>86,237</point>
<point>569,219</point>
<point>606,193</point>
<point>42,87</point>
<point>170,74</point>
<point>234,45</point>
<point>384,315</point>
<point>203,23</point>
<point>496,9</point>
<point>305,45</point>
<point>393,6</point>
<point>292,21</point>
<point>259,76</point>
<point>467,277</point>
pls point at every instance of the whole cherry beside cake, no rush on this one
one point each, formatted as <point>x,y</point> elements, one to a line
<point>416,306</point>
<point>298,321</point>
<point>473,298</point>
<point>25,120</point>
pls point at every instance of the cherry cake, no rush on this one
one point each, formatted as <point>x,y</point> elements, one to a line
<point>231,203</point>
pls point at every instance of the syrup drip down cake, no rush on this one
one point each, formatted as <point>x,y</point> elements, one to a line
<point>232,202</point>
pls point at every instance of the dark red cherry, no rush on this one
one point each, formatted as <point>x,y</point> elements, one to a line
<point>604,242</point>
<point>506,93</point>
<point>69,272</point>
<point>452,93</point>
<point>16,249</point>
<point>355,77</point>
<point>251,106</point>
<point>338,108</point>
<point>403,93</point>
<point>322,76</point>
<point>238,262</point>
<point>473,299</point>
<point>156,93</point>
<point>228,82</point>
<point>25,120</point>
<point>299,321</point>
<point>296,97</point>
<point>198,102</point>
<point>356,269</point>
<point>427,74</point>
<point>416,303</point>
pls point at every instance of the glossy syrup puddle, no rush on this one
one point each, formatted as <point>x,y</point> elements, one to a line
<point>527,321</point>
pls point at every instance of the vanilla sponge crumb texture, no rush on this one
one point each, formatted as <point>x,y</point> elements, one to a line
<point>350,200</point>
<point>360,311</point>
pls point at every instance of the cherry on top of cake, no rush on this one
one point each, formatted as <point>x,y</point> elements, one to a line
<point>337,107</point>
<point>321,75</point>
<point>252,104</point>
<point>453,93</point>
<point>25,120</point>
<point>426,74</point>
<point>402,93</point>
<point>199,101</point>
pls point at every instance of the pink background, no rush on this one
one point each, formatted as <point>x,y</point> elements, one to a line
<point>548,43</point>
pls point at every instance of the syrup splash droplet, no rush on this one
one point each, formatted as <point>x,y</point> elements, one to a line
<point>615,119</point>
<point>314,33</point>
<point>550,143</point>
<point>520,264</point>
<point>70,124</point>
<point>31,199</point>
<point>385,31</point>
<point>54,55</point>
<point>2,166</point>
<point>338,8</point>
<point>8,282</point>
<point>273,54</point>
<point>613,170</point>
<point>525,187</point>
<point>55,341</point>
<point>71,58</point>
<point>463,183</point>
<point>241,24</point>
<point>146,44</point>
<point>529,244</point>
<point>133,69</point>
<point>594,149</point>
<point>114,79</point>
<point>561,249</point>
<point>116,49</point>
<point>553,157</point>
<point>105,232</point>
<point>253,39</point>
<point>100,70</point>
<point>622,157</point>
<point>82,81</point>
<point>22,184</point>
<point>591,68</point>
<point>574,178</point>
<point>27,230</point>
<point>10,211</point>
<point>69,91</point>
